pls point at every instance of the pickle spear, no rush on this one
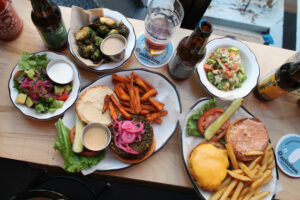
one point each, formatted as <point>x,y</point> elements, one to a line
<point>214,127</point>
<point>77,146</point>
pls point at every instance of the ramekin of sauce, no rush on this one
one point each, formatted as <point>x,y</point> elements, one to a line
<point>95,136</point>
<point>60,71</point>
<point>113,46</point>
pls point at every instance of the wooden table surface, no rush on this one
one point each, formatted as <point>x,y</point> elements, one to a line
<point>25,139</point>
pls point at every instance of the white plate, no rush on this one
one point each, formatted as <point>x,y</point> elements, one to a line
<point>167,93</point>
<point>250,64</point>
<point>131,40</point>
<point>187,143</point>
<point>30,112</point>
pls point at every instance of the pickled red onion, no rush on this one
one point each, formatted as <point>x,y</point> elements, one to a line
<point>127,132</point>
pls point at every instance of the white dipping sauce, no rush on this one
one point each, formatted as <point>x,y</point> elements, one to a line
<point>60,72</point>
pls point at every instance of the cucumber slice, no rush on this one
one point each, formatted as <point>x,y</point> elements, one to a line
<point>77,146</point>
<point>214,127</point>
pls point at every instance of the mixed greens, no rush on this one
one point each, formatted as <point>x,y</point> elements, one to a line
<point>73,162</point>
<point>191,125</point>
<point>89,38</point>
<point>35,88</point>
<point>224,68</point>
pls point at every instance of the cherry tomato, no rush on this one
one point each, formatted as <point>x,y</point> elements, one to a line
<point>63,97</point>
<point>208,67</point>
<point>209,117</point>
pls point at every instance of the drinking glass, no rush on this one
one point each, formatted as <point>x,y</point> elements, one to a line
<point>162,19</point>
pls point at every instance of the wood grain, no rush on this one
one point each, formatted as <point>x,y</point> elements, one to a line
<point>22,138</point>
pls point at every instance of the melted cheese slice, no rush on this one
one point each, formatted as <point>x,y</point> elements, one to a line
<point>208,165</point>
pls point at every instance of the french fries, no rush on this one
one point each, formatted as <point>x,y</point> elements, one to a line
<point>106,102</point>
<point>112,111</point>
<point>137,97</point>
<point>232,156</point>
<point>158,105</point>
<point>149,94</point>
<point>120,92</point>
<point>254,153</point>
<point>120,107</point>
<point>246,181</point>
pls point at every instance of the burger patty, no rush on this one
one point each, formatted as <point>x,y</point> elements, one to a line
<point>141,147</point>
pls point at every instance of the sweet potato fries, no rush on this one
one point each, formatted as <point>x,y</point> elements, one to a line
<point>136,97</point>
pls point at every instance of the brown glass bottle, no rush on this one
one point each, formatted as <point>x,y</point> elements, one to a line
<point>284,80</point>
<point>190,51</point>
<point>47,18</point>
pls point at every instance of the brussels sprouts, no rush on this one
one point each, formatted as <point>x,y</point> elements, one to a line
<point>91,48</point>
<point>84,51</point>
<point>102,30</point>
<point>97,56</point>
<point>83,33</point>
<point>97,41</point>
<point>113,31</point>
<point>107,21</point>
<point>124,31</point>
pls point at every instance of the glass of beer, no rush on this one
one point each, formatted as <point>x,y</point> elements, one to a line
<point>162,19</point>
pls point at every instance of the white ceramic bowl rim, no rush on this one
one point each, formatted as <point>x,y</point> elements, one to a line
<point>250,64</point>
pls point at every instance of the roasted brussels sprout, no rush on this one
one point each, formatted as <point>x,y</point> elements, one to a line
<point>91,48</point>
<point>97,41</point>
<point>95,24</point>
<point>113,31</point>
<point>88,41</point>
<point>84,51</point>
<point>83,33</point>
<point>108,21</point>
<point>103,30</point>
<point>97,56</point>
<point>123,30</point>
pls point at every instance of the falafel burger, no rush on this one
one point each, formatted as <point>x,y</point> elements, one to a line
<point>132,140</point>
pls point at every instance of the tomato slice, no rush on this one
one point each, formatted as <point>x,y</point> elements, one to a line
<point>209,117</point>
<point>72,135</point>
<point>63,97</point>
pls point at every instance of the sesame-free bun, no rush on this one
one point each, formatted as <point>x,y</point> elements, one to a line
<point>90,103</point>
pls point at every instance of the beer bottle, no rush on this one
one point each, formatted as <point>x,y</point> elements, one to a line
<point>47,18</point>
<point>284,80</point>
<point>190,50</point>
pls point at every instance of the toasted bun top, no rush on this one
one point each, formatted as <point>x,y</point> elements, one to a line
<point>245,135</point>
<point>90,103</point>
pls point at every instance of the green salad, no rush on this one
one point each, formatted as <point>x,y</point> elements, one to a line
<point>35,89</point>
<point>224,68</point>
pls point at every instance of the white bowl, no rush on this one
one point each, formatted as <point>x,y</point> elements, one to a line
<point>30,112</point>
<point>250,64</point>
<point>130,45</point>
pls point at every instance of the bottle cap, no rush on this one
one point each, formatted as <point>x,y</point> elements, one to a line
<point>205,28</point>
<point>288,154</point>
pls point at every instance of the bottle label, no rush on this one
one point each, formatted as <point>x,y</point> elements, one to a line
<point>10,23</point>
<point>56,38</point>
<point>269,88</point>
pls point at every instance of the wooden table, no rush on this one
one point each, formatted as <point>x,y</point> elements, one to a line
<point>25,139</point>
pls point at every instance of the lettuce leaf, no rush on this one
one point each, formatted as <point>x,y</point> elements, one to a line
<point>73,162</point>
<point>32,61</point>
<point>192,122</point>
